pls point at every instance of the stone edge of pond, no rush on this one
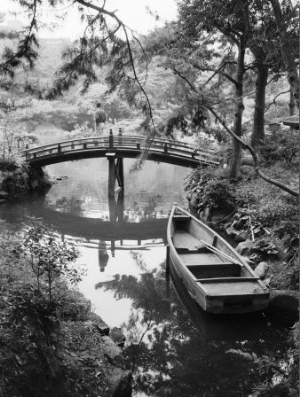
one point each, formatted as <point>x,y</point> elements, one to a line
<point>120,377</point>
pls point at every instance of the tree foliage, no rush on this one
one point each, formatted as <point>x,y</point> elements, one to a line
<point>204,72</point>
<point>49,259</point>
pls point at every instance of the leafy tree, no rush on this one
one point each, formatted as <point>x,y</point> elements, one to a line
<point>288,52</point>
<point>102,44</point>
<point>188,55</point>
<point>49,259</point>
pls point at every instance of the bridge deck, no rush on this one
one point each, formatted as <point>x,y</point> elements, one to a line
<point>121,146</point>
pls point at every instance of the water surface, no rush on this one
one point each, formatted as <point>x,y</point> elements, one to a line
<point>174,348</point>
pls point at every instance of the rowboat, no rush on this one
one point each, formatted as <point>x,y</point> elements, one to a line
<point>212,271</point>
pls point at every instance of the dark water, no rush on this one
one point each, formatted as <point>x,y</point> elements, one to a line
<point>174,348</point>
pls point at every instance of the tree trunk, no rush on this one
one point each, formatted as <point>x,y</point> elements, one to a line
<point>258,133</point>
<point>292,104</point>
<point>237,126</point>
<point>286,50</point>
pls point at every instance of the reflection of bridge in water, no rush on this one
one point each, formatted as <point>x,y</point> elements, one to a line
<point>97,229</point>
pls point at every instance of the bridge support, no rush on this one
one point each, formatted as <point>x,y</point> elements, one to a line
<point>116,174</point>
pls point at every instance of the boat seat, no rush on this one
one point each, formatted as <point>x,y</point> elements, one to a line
<point>181,218</point>
<point>196,250</point>
<point>226,279</point>
<point>184,242</point>
<point>212,271</point>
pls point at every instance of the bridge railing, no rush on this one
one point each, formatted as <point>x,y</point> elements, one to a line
<point>123,142</point>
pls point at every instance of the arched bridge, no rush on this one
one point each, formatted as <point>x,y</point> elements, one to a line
<point>162,150</point>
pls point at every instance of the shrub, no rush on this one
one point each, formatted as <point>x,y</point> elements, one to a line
<point>8,165</point>
<point>285,148</point>
<point>219,194</point>
<point>49,259</point>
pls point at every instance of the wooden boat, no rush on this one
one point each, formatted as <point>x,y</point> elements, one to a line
<point>214,274</point>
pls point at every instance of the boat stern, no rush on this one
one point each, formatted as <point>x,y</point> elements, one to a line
<point>237,304</point>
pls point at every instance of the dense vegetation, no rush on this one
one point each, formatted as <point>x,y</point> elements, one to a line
<point>46,337</point>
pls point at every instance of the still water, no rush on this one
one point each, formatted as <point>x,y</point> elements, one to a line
<point>174,348</point>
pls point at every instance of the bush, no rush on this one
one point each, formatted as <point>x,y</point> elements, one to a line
<point>16,184</point>
<point>8,165</point>
<point>219,194</point>
<point>49,259</point>
<point>285,148</point>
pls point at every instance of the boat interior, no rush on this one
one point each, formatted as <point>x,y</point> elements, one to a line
<point>201,257</point>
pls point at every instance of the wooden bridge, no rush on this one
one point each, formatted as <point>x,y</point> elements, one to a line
<point>119,146</point>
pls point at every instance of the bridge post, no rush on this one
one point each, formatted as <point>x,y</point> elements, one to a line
<point>165,147</point>
<point>59,148</point>
<point>111,138</point>
<point>120,137</point>
<point>111,177</point>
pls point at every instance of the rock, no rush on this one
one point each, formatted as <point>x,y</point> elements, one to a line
<point>241,237</point>
<point>247,170</point>
<point>117,336</point>
<point>120,383</point>
<point>248,260</point>
<point>284,306</point>
<point>194,200</point>
<point>113,352</point>
<point>245,247</point>
<point>207,214</point>
<point>231,231</point>
<point>102,327</point>
<point>247,161</point>
<point>261,270</point>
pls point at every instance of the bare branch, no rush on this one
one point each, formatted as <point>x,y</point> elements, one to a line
<point>219,71</point>
<point>207,69</point>
<point>274,99</point>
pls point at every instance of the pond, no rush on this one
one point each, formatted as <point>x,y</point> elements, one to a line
<point>173,347</point>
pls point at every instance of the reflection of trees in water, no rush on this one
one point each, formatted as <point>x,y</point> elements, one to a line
<point>70,205</point>
<point>139,212</point>
<point>167,354</point>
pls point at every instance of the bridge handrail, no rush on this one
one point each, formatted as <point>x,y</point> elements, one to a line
<point>134,138</point>
<point>120,142</point>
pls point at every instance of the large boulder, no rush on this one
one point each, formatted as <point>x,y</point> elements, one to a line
<point>261,270</point>
<point>120,383</point>
<point>248,160</point>
<point>247,170</point>
<point>245,247</point>
<point>113,352</point>
<point>117,336</point>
